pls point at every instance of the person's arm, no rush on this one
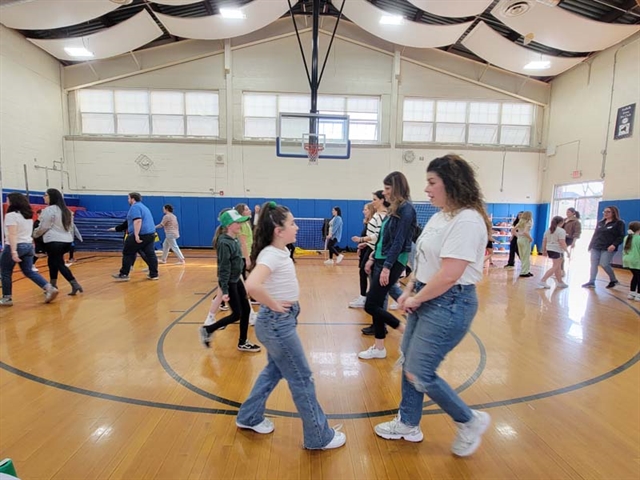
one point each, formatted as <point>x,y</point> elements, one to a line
<point>255,288</point>
<point>544,245</point>
<point>137,225</point>
<point>619,236</point>
<point>12,230</point>
<point>450,271</point>
<point>577,230</point>
<point>224,269</point>
<point>46,223</point>
<point>163,222</point>
<point>76,233</point>
<point>245,249</point>
<point>330,234</point>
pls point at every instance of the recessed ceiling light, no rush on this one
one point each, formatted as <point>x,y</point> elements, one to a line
<point>78,52</point>
<point>538,65</point>
<point>391,20</point>
<point>232,13</point>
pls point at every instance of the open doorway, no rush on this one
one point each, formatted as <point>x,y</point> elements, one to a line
<point>585,198</point>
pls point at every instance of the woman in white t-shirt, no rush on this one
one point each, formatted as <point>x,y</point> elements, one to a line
<point>553,245</point>
<point>18,248</point>
<point>441,301</point>
<point>274,284</point>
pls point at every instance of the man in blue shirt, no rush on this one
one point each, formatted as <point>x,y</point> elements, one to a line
<point>140,239</point>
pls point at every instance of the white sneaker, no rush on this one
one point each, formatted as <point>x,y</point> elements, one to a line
<point>339,258</point>
<point>328,262</point>
<point>358,302</point>
<point>561,285</point>
<point>470,434</point>
<point>543,285</point>
<point>396,430</point>
<point>393,306</point>
<point>34,269</point>
<point>373,352</point>
<point>253,316</point>
<point>265,426</point>
<point>638,297</point>
<point>338,440</point>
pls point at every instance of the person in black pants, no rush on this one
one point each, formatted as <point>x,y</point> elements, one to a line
<point>513,246</point>
<point>141,238</point>
<point>230,264</point>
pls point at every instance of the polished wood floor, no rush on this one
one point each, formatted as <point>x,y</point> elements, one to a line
<point>114,384</point>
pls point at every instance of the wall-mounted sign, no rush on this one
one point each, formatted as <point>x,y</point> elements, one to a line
<point>624,122</point>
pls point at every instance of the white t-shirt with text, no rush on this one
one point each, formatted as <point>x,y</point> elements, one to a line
<point>463,236</point>
<point>24,227</point>
<point>282,284</point>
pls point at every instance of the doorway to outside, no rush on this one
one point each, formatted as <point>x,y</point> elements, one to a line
<point>585,198</point>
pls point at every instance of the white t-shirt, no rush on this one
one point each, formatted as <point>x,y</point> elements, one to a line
<point>282,284</point>
<point>553,239</point>
<point>24,227</point>
<point>463,236</point>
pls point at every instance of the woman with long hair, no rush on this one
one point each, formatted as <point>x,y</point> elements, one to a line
<point>573,227</point>
<point>389,259</point>
<point>441,301</point>
<point>334,236</point>
<point>554,245</point>
<point>56,228</point>
<point>18,248</point>
<point>523,232</point>
<point>604,244</point>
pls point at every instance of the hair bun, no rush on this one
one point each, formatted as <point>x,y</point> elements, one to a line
<point>272,204</point>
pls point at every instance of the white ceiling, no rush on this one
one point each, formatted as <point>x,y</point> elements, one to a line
<point>45,14</point>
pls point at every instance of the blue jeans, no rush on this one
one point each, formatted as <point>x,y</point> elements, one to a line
<point>431,333</point>
<point>26,254</point>
<point>602,258</point>
<point>286,359</point>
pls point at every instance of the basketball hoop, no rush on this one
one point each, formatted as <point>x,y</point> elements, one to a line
<point>313,152</point>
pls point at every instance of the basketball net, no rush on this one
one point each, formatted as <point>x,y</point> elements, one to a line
<point>313,152</point>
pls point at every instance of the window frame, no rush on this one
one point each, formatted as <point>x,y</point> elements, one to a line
<point>150,135</point>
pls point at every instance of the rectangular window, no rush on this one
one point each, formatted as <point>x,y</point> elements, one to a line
<point>149,113</point>
<point>260,113</point>
<point>482,123</point>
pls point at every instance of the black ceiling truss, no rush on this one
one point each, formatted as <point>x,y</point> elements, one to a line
<point>624,12</point>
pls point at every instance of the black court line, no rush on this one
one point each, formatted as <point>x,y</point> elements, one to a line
<point>501,403</point>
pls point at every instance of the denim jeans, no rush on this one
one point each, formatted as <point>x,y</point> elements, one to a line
<point>286,359</point>
<point>171,243</point>
<point>26,254</point>
<point>602,258</point>
<point>431,333</point>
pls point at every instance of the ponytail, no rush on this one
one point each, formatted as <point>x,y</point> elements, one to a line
<point>219,231</point>
<point>634,227</point>
<point>555,221</point>
<point>271,216</point>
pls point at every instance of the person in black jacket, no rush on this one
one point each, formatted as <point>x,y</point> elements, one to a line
<point>607,237</point>
<point>513,244</point>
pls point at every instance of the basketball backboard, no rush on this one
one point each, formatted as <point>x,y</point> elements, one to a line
<point>304,135</point>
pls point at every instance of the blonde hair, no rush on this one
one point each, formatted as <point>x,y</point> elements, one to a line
<point>526,216</point>
<point>371,210</point>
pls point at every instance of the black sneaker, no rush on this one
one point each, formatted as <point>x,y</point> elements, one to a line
<point>612,284</point>
<point>370,330</point>
<point>120,278</point>
<point>247,346</point>
<point>526,275</point>
<point>205,337</point>
<point>149,277</point>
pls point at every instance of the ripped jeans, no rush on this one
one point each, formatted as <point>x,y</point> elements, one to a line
<point>286,359</point>
<point>431,333</point>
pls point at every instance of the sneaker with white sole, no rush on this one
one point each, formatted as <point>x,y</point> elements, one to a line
<point>561,285</point>
<point>264,427</point>
<point>149,277</point>
<point>328,262</point>
<point>470,434</point>
<point>120,278</point>
<point>358,302</point>
<point>247,346</point>
<point>393,306</point>
<point>50,293</point>
<point>543,285</point>
<point>338,440</point>
<point>6,302</point>
<point>205,337</point>
<point>638,297</point>
<point>253,317</point>
<point>396,430</point>
<point>339,258</point>
<point>373,352</point>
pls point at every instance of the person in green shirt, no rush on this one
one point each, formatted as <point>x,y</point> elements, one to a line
<point>631,258</point>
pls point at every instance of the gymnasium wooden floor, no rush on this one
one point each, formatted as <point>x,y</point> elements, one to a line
<point>114,384</point>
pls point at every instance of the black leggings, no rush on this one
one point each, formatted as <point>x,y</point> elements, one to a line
<point>365,253</point>
<point>55,260</point>
<point>513,251</point>
<point>635,280</point>
<point>240,309</point>
<point>377,295</point>
<point>331,246</point>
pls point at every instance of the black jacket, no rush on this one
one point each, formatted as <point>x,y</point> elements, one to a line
<point>607,234</point>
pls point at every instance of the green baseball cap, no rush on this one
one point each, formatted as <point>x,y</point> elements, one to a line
<point>231,216</point>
